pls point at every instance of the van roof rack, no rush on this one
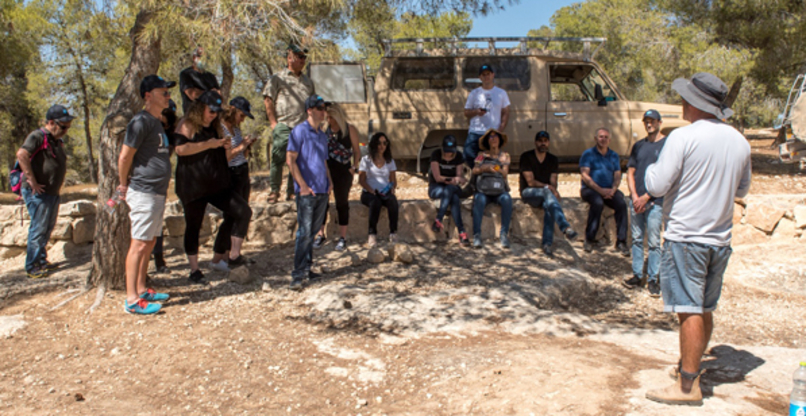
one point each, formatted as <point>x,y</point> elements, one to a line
<point>522,47</point>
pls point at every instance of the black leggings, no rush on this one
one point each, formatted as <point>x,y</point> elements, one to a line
<point>374,202</point>
<point>239,183</point>
<point>342,182</point>
<point>235,209</point>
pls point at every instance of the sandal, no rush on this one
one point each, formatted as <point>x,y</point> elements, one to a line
<point>273,197</point>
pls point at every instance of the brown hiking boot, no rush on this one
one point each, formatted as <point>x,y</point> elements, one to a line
<point>674,394</point>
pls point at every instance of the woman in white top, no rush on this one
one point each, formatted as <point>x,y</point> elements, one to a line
<point>376,175</point>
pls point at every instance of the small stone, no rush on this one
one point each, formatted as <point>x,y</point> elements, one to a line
<point>379,400</point>
<point>79,397</point>
<point>401,252</point>
<point>52,390</point>
<point>363,402</point>
<point>347,304</point>
<point>266,287</point>
<point>78,381</point>
<point>240,275</point>
<point>115,351</point>
<point>375,255</point>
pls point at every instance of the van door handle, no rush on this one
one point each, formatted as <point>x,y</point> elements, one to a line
<point>560,114</point>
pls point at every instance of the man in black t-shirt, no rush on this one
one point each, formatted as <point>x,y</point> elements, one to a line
<point>195,80</point>
<point>445,181</point>
<point>538,183</point>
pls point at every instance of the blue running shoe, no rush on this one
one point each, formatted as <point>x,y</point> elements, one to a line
<point>152,296</point>
<point>141,307</point>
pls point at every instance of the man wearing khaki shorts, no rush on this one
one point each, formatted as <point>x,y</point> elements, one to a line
<point>144,170</point>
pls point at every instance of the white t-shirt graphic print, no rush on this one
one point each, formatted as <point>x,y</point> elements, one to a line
<point>493,100</point>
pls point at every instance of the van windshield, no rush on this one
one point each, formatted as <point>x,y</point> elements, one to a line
<point>511,72</point>
<point>414,74</point>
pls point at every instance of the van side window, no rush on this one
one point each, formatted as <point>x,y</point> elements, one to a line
<point>573,82</point>
<point>424,74</point>
<point>512,73</point>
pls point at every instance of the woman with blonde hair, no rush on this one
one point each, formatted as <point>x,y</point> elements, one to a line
<point>342,159</point>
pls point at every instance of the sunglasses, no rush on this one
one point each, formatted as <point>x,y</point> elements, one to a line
<point>301,56</point>
<point>321,107</point>
<point>63,126</point>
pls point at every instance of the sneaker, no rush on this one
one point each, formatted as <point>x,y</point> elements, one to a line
<point>341,245</point>
<point>622,248</point>
<point>674,394</point>
<point>588,246</point>
<point>632,282</point>
<point>463,239</point>
<point>152,296</point>
<point>221,266</point>
<point>238,261</point>
<point>654,288</point>
<point>159,264</point>
<point>197,277</point>
<point>296,285</point>
<point>47,265</point>
<point>141,307</point>
<point>393,238</point>
<point>37,272</point>
<point>372,241</point>
<point>570,234</point>
<point>547,250</point>
<point>505,241</point>
<point>477,241</point>
<point>437,226</point>
<point>319,241</point>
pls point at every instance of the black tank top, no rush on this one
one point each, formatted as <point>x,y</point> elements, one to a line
<point>204,173</point>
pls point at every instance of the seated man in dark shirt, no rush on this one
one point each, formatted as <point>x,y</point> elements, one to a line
<point>538,184</point>
<point>195,80</point>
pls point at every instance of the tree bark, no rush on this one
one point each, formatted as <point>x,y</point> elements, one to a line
<point>733,94</point>
<point>85,104</point>
<point>228,76</point>
<point>112,232</point>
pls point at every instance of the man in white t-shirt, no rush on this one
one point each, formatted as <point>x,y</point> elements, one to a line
<point>487,108</point>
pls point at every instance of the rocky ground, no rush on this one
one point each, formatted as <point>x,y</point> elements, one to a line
<point>447,331</point>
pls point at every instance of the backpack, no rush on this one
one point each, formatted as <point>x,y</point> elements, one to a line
<point>16,176</point>
<point>488,183</point>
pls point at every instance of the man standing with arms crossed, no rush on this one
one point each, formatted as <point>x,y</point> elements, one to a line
<point>284,96</point>
<point>307,162</point>
<point>195,80</point>
<point>487,108</point>
<point>700,171</point>
<point>646,211</point>
<point>144,171</point>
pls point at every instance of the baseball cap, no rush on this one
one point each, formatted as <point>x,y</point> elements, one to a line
<point>171,106</point>
<point>151,82</point>
<point>242,104</point>
<point>541,134</point>
<point>314,101</point>
<point>58,113</point>
<point>486,67</point>
<point>293,47</point>
<point>213,100</point>
<point>449,144</point>
<point>653,114</point>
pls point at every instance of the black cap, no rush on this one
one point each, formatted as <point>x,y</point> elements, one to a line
<point>541,134</point>
<point>213,100</point>
<point>151,82</point>
<point>652,114</point>
<point>293,47</point>
<point>243,105</point>
<point>58,113</point>
<point>449,144</point>
<point>314,101</point>
<point>486,67</point>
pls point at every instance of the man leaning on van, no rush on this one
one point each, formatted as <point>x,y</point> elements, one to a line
<point>487,108</point>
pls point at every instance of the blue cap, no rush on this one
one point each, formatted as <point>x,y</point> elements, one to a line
<point>486,67</point>
<point>653,114</point>
<point>314,101</point>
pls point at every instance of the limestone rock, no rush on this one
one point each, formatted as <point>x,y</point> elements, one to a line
<point>10,252</point>
<point>14,213</point>
<point>174,226</point>
<point>281,208</point>
<point>376,255</point>
<point>800,216</point>
<point>784,232</point>
<point>747,234</point>
<point>63,230</point>
<point>738,214</point>
<point>174,208</point>
<point>67,250</point>
<point>12,234</point>
<point>84,230</point>
<point>240,275</point>
<point>402,253</point>
<point>763,216</point>
<point>77,209</point>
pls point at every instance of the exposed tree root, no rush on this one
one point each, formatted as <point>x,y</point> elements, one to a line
<point>66,301</point>
<point>67,292</point>
<point>99,297</point>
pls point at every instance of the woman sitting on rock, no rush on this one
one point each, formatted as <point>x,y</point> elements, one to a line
<point>490,175</point>
<point>445,182</point>
<point>203,177</point>
<point>376,174</point>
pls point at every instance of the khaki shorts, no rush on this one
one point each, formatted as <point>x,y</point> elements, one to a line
<point>145,212</point>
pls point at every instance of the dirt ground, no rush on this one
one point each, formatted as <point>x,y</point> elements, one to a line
<point>456,332</point>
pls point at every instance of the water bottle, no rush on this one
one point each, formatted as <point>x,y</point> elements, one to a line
<point>797,400</point>
<point>386,189</point>
<point>113,203</point>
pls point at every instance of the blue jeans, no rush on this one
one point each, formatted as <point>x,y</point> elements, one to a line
<point>647,223</point>
<point>472,148</point>
<point>481,200</point>
<point>448,196</point>
<point>552,211</point>
<point>310,210</point>
<point>692,276</point>
<point>43,210</point>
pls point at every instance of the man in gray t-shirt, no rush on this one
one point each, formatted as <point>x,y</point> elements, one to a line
<point>144,170</point>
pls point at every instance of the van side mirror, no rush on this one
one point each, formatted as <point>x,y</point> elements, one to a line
<point>599,96</point>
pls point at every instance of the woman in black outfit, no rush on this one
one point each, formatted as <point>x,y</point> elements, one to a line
<point>203,177</point>
<point>342,160</point>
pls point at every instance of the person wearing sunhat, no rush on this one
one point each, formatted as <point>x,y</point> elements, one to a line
<point>284,97</point>
<point>487,107</point>
<point>203,177</point>
<point>445,181</point>
<point>144,173</point>
<point>43,162</point>
<point>701,170</point>
<point>490,170</point>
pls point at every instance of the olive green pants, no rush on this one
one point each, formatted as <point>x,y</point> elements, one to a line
<point>279,143</point>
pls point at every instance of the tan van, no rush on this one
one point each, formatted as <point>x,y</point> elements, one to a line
<point>418,96</point>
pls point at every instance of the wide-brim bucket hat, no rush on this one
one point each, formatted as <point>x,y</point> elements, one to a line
<point>705,92</point>
<point>487,134</point>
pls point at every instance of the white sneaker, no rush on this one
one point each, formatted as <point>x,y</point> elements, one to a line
<point>393,238</point>
<point>221,266</point>
<point>372,241</point>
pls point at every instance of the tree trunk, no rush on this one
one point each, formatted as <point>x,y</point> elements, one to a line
<point>733,94</point>
<point>85,104</point>
<point>228,76</point>
<point>112,232</point>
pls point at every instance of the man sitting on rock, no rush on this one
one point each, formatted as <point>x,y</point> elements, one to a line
<point>538,184</point>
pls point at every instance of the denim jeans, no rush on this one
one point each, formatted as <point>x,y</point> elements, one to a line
<point>448,196</point>
<point>552,211</point>
<point>43,209</point>
<point>647,223</point>
<point>692,276</point>
<point>597,204</point>
<point>310,214</point>
<point>472,148</point>
<point>481,200</point>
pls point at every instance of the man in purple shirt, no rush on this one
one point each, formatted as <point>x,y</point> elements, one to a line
<point>306,157</point>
